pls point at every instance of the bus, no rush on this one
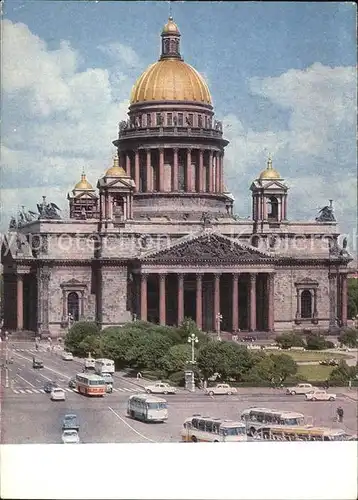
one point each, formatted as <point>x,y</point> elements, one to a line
<point>215,430</point>
<point>255,418</point>
<point>104,365</point>
<point>90,384</point>
<point>298,433</point>
<point>147,408</point>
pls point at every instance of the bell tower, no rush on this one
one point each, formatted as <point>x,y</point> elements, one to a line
<point>116,195</point>
<point>269,197</point>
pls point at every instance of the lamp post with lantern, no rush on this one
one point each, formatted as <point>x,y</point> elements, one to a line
<point>189,374</point>
<point>219,318</point>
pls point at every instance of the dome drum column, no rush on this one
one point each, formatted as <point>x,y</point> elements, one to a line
<point>175,171</point>
<point>201,171</point>
<point>210,172</point>
<point>136,171</point>
<point>149,185</point>
<point>161,170</point>
<point>189,173</point>
<point>128,164</point>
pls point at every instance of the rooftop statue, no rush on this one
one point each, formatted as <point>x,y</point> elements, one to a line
<point>48,210</point>
<point>326,213</point>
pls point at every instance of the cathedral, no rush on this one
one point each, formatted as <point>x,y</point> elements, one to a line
<point>157,238</point>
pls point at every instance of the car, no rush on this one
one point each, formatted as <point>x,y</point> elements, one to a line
<point>221,389</point>
<point>300,389</point>
<point>70,422</point>
<point>72,383</point>
<point>109,388</point>
<point>49,386</point>
<point>320,395</point>
<point>160,388</point>
<point>70,436</point>
<point>67,356</point>
<point>107,378</point>
<point>249,338</point>
<point>89,363</point>
<point>58,394</point>
<point>37,363</point>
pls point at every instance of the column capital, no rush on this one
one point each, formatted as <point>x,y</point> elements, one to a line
<point>144,276</point>
<point>189,150</point>
<point>181,275</point>
<point>161,150</point>
<point>176,150</point>
<point>252,277</point>
<point>217,275</point>
<point>235,276</point>
<point>162,276</point>
<point>199,276</point>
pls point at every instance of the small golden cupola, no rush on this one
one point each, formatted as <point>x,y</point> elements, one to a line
<point>171,27</point>
<point>116,170</point>
<point>83,201</point>
<point>269,172</point>
<point>83,184</point>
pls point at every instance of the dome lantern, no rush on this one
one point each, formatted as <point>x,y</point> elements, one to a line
<point>170,41</point>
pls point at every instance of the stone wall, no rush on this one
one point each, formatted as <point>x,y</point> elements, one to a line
<point>286,301</point>
<point>115,296</point>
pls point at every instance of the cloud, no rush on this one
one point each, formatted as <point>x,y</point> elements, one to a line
<point>118,52</point>
<point>56,119</point>
<point>315,153</point>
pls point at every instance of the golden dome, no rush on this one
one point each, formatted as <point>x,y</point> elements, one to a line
<point>171,27</point>
<point>116,170</point>
<point>170,80</point>
<point>83,184</point>
<point>269,172</point>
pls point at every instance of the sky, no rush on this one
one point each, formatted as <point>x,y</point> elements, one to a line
<point>282,76</point>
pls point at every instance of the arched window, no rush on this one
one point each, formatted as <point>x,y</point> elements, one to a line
<point>73,303</point>
<point>273,208</point>
<point>306,304</point>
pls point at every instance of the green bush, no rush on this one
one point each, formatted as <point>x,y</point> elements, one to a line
<point>177,378</point>
<point>315,342</point>
<point>287,340</point>
<point>349,337</point>
<point>77,333</point>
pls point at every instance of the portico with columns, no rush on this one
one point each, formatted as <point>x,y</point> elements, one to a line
<point>203,277</point>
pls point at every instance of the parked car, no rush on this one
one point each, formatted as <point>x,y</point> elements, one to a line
<point>249,338</point>
<point>320,395</point>
<point>221,389</point>
<point>67,356</point>
<point>300,389</point>
<point>70,421</point>
<point>49,386</point>
<point>72,383</point>
<point>70,437</point>
<point>160,388</point>
<point>58,394</point>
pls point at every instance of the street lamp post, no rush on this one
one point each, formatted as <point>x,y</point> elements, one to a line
<point>6,361</point>
<point>193,339</point>
<point>219,318</point>
<point>189,375</point>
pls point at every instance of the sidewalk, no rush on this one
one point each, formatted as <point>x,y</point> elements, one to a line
<point>351,394</point>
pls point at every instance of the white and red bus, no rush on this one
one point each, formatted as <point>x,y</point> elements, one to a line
<point>90,384</point>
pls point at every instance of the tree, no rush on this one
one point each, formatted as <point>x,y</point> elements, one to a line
<point>177,358</point>
<point>90,344</point>
<point>77,333</point>
<point>342,373</point>
<point>352,297</point>
<point>148,352</point>
<point>263,371</point>
<point>188,327</point>
<point>287,340</point>
<point>117,342</point>
<point>284,366</point>
<point>349,337</point>
<point>315,342</point>
<point>226,358</point>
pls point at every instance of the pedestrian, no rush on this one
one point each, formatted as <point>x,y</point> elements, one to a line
<point>340,414</point>
<point>139,375</point>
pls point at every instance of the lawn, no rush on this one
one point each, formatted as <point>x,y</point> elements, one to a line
<point>311,355</point>
<point>316,373</point>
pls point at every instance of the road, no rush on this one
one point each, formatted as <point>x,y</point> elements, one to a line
<point>29,416</point>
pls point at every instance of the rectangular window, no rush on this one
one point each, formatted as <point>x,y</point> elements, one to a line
<point>169,119</point>
<point>180,119</point>
<point>190,119</point>
<point>158,119</point>
<point>200,121</point>
<point>149,120</point>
